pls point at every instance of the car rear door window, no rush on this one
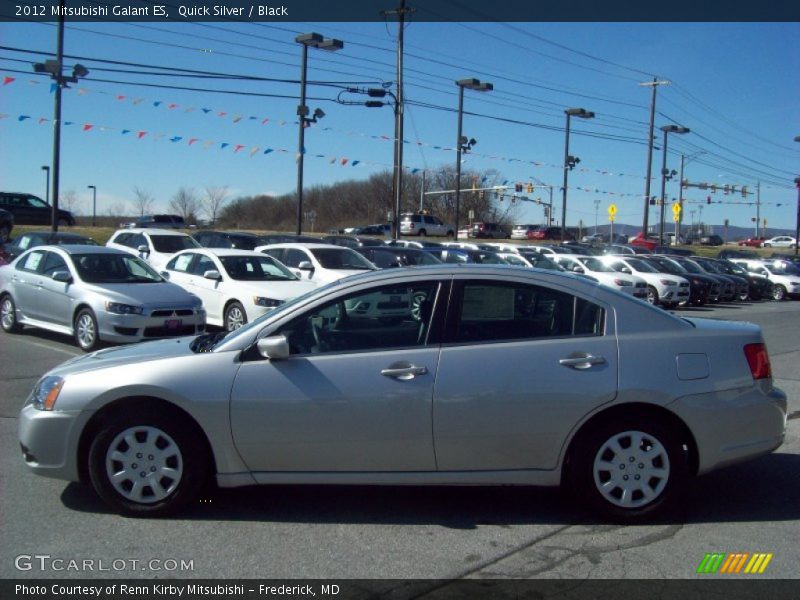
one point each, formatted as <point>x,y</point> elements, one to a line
<point>492,312</point>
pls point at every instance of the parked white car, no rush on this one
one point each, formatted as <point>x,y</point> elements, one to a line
<point>236,286</point>
<point>320,263</point>
<point>155,246</point>
<point>594,266</point>
<point>785,277</point>
<point>662,288</point>
<point>781,241</point>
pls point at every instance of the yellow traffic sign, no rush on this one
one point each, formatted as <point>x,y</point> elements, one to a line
<point>611,218</point>
<point>676,209</point>
<point>612,210</point>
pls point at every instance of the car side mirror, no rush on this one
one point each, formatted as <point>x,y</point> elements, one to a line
<point>62,276</point>
<point>626,270</point>
<point>305,266</point>
<point>212,274</point>
<point>143,249</point>
<point>164,274</point>
<point>275,347</point>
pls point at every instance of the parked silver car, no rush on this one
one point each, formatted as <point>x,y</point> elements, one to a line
<point>498,375</point>
<point>95,294</point>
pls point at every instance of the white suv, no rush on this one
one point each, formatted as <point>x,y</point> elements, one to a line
<point>422,225</point>
<point>156,246</point>
<point>784,276</point>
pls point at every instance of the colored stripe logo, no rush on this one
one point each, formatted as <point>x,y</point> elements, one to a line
<point>735,563</point>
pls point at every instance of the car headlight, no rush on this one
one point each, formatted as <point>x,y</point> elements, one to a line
<point>266,302</point>
<point>622,282</point>
<point>668,282</point>
<point>118,308</point>
<point>46,392</point>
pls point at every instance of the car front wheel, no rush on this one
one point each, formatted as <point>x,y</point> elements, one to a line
<point>652,295</point>
<point>235,316</point>
<point>85,327</point>
<point>146,464</point>
<point>778,292</point>
<point>629,469</point>
<point>8,315</point>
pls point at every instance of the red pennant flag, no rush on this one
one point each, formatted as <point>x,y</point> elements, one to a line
<point>120,98</point>
<point>237,148</point>
<point>171,106</point>
<point>43,120</point>
<point>7,80</point>
<point>264,122</point>
<point>221,114</point>
<point>192,141</point>
<point>87,127</point>
<point>141,134</point>
<point>344,161</point>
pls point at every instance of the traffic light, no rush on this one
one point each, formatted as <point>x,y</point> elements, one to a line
<point>529,189</point>
<point>482,194</point>
<point>518,188</point>
<point>713,190</point>
<point>744,191</point>
<point>708,200</point>
<point>652,201</point>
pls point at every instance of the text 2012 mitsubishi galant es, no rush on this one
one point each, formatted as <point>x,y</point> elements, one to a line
<point>484,375</point>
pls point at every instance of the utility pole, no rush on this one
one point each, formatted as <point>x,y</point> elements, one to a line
<point>654,84</point>
<point>758,208</point>
<point>397,179</point>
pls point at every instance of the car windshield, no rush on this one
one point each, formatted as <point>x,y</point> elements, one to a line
<point>691,267</point>
<point>256,268</point>
<point>540,261</point>
<point>421,258</point>
<point>782,268</point>
<point>341,258</point>
<point>596,265</point>
<point>670,266</point>
<point>640,265</point>
<point>114,268</point>
<point>169,244</point>
<point>709,266</point>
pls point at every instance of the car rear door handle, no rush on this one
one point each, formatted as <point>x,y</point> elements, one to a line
<point>582,362</point>
<point>403,371</point>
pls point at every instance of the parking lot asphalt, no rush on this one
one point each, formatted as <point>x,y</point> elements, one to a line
<point>399,533</point>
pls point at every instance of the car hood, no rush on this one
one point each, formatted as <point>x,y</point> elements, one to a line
<point>128,354</point>
<point>163,294</point>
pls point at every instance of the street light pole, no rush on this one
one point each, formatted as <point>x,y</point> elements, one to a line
<point>667,129</point>
<point>46,169</point>
<point>569,162</point>
<point>655,83</point>
<point>307,40</point>
<point>472,84</point>
<point>94,204</point>
<point>797,223</point>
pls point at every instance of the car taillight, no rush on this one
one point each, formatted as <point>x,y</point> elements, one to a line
<point>758,359</point>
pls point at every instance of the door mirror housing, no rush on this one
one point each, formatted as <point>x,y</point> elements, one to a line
<point>62,276</point>
<point>275,347</point>
<point>213,274</point>
<point>143,249</point>
<point>305,266</point>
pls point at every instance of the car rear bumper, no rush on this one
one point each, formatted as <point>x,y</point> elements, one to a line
<point>734,425</point>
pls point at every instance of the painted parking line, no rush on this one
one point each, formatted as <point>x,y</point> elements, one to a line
<point>46,347</point>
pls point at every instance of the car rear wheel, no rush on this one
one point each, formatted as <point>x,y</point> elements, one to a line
<point>743,296</point>
<point>629,469</point>
<point>235,316</point>
<point>422,233</point>
<point>5,232</point>
<point>146,464</point>
<point>85,328</point>
<point>8,315</point>
<point>778,292</point>
<point>450,235</point>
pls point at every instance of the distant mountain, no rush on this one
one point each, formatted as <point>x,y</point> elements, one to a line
<point>732,234</point>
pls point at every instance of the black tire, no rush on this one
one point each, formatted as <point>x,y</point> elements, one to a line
<point>235,316</point>
<point>8,315</point>
<point>5,233</point>
<point>147,483</point>
<point>743,297</point>
<point>422,233</point>
<point>450,235</point>
<point>62,222</point>
<point>85,331</point>
<point>652,295</point>
<point>778,292</point>
<point>654,453</point>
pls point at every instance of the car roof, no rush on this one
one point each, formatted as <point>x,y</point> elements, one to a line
<point>152,230</point>
<point>222,251</point>
<point>58,234</point>
<point>308,245</point>
<point>82,249</point>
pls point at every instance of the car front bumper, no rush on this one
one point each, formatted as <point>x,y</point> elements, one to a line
<point>49,441</point>
<point>123,329</point>
<point>735,425</point>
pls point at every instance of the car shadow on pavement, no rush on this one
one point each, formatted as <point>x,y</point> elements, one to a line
<point>759,490</point>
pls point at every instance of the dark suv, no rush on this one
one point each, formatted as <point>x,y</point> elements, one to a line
<point>161,222</point>
<point>6,225</point>
<point>32,210</point>
<point>488,230</point>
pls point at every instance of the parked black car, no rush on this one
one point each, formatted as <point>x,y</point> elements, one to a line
<point>350,241</point>
<point>229,239</point>
<point>729,253</point>
<point>393,256</point>
<point>32,210</point>
<point>702,288</point>
<point>488,230</point>
<point>161,222</point>
<point>6,225</point>
<point>742,289</point>
<point>711,240</point>
<point>288,238</point>
<point>760,287</point>
<point>29,240</point>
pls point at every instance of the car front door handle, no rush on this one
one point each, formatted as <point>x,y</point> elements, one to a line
<point>582,362</point>
<point>403,371</point>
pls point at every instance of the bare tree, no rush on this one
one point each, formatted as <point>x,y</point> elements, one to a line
<point>142,200</point>
<point>69,200</point>
<point>213,200</point>
<point>118,209</point>
<point>185,204</point>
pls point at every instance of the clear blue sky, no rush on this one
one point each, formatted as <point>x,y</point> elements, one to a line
<point>734,85</point>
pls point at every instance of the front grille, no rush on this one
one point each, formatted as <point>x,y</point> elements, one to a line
<point>685,284</point>
<point>641,284</point>
<point>156,332</point>
<point>172,312</point>
<point>126,330</point>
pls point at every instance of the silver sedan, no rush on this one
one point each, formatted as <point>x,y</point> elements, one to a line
<point>95,294</point>
<point>502,375</point>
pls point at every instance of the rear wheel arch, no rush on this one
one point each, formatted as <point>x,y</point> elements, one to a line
<point>135,404</point>
<point>628,410</point>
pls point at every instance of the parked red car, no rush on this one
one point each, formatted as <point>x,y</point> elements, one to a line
<point>644,242</point>
<point>754,242</point>
<point>550,233</point>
